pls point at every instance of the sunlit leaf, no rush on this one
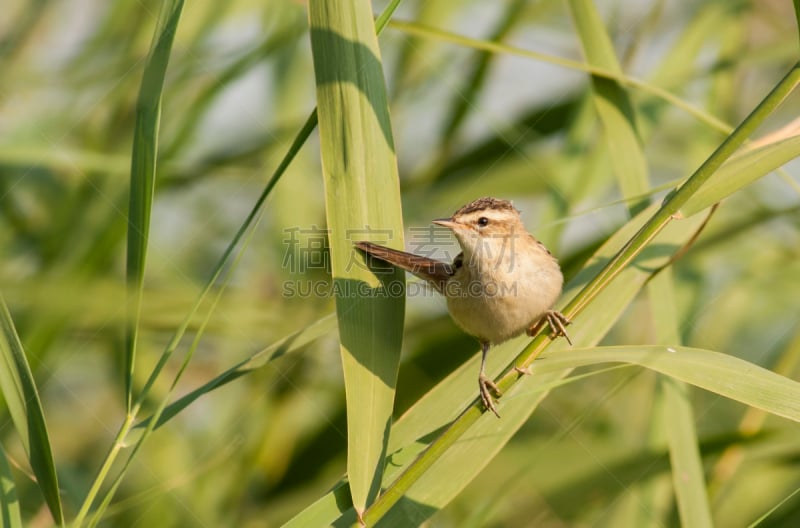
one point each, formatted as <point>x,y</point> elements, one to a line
<point>362,202</point>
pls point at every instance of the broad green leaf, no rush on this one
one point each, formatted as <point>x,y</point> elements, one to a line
<point>741,170</point>
<point>362,199</point>
<point>9,502</point>
<point>25,407</point>
<point>143,174</point>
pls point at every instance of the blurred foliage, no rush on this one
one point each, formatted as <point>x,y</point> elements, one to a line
<point>467,123</point>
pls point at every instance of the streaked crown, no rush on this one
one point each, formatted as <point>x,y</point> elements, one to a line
<point>485,204</point>
<point>489,216</point>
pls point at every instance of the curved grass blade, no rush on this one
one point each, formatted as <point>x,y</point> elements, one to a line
<point>143,174</point>
<point>713,371</point>
<point>752,423</point>
<point>362,197</point>
<point>25,407</point>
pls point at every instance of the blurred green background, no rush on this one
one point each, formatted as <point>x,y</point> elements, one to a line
<point>467,123</point>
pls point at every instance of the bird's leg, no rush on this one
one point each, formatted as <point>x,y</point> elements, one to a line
<point>557,322</point>
<point>487,386</point>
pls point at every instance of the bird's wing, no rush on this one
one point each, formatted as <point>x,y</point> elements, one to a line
<point>434,271</point>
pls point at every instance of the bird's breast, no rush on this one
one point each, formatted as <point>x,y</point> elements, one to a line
<point>497,302</point>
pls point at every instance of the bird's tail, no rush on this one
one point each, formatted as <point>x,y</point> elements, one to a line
<point>434,271</point>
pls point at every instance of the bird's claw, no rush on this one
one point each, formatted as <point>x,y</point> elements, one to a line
<point>558,324</point>
<point>487,388</point>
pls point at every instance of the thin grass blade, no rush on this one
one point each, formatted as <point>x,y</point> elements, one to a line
<point>253,217</point>
<point>143,174</point>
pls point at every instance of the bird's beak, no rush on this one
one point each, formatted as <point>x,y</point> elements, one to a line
<point>446,222</point>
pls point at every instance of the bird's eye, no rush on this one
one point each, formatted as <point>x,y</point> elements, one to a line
<point>483,221</point>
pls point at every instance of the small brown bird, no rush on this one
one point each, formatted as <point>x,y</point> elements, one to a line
<point>503,283</point>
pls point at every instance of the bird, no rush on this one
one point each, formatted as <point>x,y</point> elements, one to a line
<point>502,284</point>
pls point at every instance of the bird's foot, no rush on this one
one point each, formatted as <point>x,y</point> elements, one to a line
<point>525,371</point>
<point>558,324</point>
<point>487,388</point>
